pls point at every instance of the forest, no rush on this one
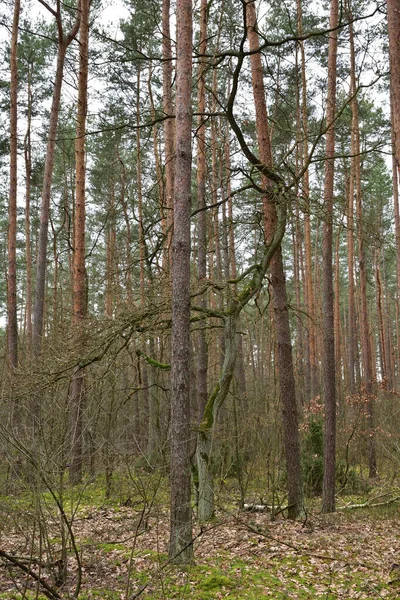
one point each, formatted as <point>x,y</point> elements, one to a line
<point>200,299</point>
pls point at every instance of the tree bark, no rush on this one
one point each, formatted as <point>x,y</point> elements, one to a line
<point>284,345</point>
<point>180,548</point>
<point>12,321</point>
<point>329,372</point>
<point>63,43</point>
<point>352,323</point>
<point>169,129</point>
<point>205,508</point>
<point>393,13</point>
<point>309,292</point>
<point>28,251</point>
<point>367,361</point>
<point>79,286</point>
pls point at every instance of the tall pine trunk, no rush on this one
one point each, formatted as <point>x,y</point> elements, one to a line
<point>205,476</point>
<point>12,321</point>
<point>28,251</point>
<point>281,313</point>
<point>169,130</point>
<point>181,549</point>
<point>329,372</point>
<point>393,13</point>
<point>63,43</point>
<point>79,283</point>
<point>367,360</point>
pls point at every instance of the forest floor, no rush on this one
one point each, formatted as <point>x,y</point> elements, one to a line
<point>240,555</point>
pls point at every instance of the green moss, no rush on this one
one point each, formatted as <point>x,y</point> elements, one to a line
<point>153,362</point>
<point>104,594</point>
<point>27,596</point>
<point>208,417</point>
<point>215,582</point>
<point>109,547</point>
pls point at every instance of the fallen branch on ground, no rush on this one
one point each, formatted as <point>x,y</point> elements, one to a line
<point>368,504</point>
<point>48,591</point>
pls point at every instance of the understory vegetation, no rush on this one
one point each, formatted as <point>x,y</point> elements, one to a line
<point>117,547</point>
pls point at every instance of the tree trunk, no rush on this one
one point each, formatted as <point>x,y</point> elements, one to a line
<point>169,129</point>
<point>309,292</point>
<point>368,375</point>
<point>329,376</point>
<point>79,288</point>
<point>205,474</point>
<point>336,318</point>
<point>284,345</point>
<point>63,43</point>
<point>181,549</point>
<point>393,12</point>
<point>28,251</point>
<point>352,323</point>
<point>12,321</point>
<point>110,255</point>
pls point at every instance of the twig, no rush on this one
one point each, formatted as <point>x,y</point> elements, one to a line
<point>48,591</point>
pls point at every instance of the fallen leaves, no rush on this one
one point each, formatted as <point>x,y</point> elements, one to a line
<point>240,556</point>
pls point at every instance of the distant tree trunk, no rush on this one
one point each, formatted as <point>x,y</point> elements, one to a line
<point>240,368</point>
<point>368,375</point>
<point>159,172</point>
<point>63,43</point>
<point>329,378</point>
<point>215,238</point>
<point>128,240</point>
<point>169,128</point>
<point>142,242</point>
<point>395,179</point>
<point>79,289</point>
<point>393,13</point>
<point>351,323</point>
<point>383,350</point>
<point>181,549</point>
<point>336,318</point>
<point>309,292</point>
<point>28,251</point>
<point>284,345</point>
<point>110,255</point>
<point>12,324</point>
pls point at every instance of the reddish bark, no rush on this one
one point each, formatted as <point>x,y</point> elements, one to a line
<point>284,345</point>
